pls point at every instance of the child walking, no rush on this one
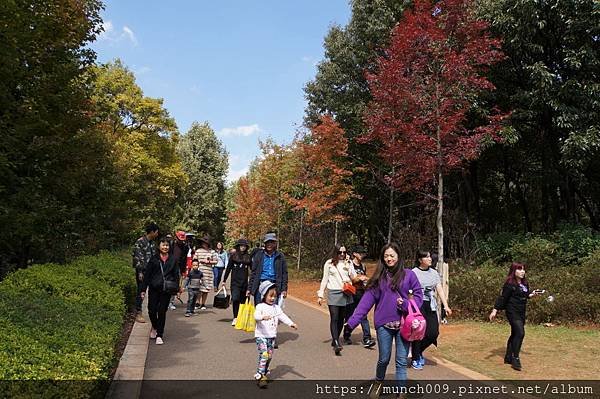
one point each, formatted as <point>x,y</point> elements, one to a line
<point>267,315</point>
<point>193,283</point>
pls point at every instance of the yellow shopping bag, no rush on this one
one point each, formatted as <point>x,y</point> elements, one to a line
<point>245,320</point>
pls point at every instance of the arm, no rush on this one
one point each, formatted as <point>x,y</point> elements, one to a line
<point>363,308</point>
<point>414,285</point>
<point>501,301</point>
<point>284,276</point>
<point>442,296</point>
<point>285,319</point>
<point>253,268</point>
<point>323,285</point>
<point>227,270</point>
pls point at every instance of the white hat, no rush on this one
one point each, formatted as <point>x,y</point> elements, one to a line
<point>264,287</point>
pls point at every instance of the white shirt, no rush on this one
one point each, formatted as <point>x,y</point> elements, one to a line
<point>268,328</point>
<point>334,277</point>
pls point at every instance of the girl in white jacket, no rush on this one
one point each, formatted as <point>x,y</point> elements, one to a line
<point>267,315</point>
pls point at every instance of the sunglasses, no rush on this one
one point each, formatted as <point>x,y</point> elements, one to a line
<point>341,252</point>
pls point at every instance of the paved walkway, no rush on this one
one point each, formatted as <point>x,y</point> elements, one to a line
<point>206,347</point>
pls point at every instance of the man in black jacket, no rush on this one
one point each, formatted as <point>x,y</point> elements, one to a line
<point>269,264</point>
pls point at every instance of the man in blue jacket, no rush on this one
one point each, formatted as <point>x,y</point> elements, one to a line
<point>269,264</point>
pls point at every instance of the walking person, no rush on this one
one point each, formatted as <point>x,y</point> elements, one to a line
<point>222,259</point>
<point>143,249</point>
<point>180,251</point>
<point>358,253</point>
<point>207,260</point>
<point>513,300</point>
<point>388,290</point>
<point>193,281</point>
<point>430,282</point>
<point>269,264</point>
<point>161,268</point>
<point>267,314</point>
<point>336,272</point>
<point>238,266</point>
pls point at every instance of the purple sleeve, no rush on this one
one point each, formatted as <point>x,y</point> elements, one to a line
<point>365,304</point>
<point>411,282</point>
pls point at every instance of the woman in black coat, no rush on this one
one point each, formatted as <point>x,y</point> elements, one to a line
<point>238,265</point>
<point>513,300</point>
<point>162,269</point>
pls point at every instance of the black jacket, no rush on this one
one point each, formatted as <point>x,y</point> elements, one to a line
<point>238,266</point>
<point>281,273</point>
<point>153,277</point>
<point>513,299</point>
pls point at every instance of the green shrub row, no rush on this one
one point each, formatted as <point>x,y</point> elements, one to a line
<point>576,291</point>
<point>569,245</point>
<point>62,322</point>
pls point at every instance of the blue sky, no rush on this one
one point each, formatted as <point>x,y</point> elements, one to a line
<point>240,65</point>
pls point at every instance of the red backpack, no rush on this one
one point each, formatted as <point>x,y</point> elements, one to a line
<point>413,327</point>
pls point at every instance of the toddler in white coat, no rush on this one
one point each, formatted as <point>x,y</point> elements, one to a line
<point>267,315</point>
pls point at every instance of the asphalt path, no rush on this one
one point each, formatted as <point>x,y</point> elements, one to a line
<point>206,347</point>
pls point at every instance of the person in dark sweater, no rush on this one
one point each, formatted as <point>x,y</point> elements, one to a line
<point>513,300</point>
<point>238,265</point>
<point>193,282</point>
<point>161,267</point>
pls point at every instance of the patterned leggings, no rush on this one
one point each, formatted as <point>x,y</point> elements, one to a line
<point>265,354</point>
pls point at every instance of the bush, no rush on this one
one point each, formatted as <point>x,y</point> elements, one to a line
<point>62,322</point>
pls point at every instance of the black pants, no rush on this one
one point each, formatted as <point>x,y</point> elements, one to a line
<point>336,320</point>
<point>138,292</point>
<point>350,308</point>
<point>517,333</point>
<point>432,331</point>
<point>238,294</point>
<point>158,302</point>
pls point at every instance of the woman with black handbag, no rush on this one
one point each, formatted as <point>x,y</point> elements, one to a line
<point>162,280</point>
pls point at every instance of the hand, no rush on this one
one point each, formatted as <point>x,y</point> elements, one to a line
<point>400,301</point>
<point>362,277</point>
<point>142,295</point>
<point>180,291</point>
<point>294,326</point>
<point>248,293</point>
<point>319,300</point>
<point>267,317</point>
<point>448,311</point>
<point>284,294</point>
<point>493,314</point>
<point>216,289</point>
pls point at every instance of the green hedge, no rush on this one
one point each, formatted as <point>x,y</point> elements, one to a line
<point>62,322</point>
<point>576,289</point>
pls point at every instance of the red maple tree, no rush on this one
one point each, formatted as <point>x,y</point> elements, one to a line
<point>425,91</point>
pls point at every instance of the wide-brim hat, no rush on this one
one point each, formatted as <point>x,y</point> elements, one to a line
<point>242,241</point>
<point>264,287</point>
<point>359,249</point>
<point>270,237</point>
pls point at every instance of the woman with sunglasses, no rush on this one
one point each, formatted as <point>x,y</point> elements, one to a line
<point>336,272</point>
<point>513,300</point>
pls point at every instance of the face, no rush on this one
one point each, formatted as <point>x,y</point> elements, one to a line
<point>426,261</point>
<point>390,257</point>
<point>164,247</point>
<point>358,256</point>
<point>153,235</point>
<point>270,246</point>
<point>271,296</point>
<point>520,273</point>
<point>195,265</point>
<point>243,248</point>
<point>342,253</point>
<point>219,246</point>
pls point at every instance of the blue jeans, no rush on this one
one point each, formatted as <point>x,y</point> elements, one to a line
<point>385,337</point>
<point>217,273</point>
<point>192,296</point>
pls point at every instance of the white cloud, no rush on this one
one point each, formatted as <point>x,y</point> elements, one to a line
<point>141,71</point>
<point>111,35</point>
<point>234,175</point>
<point>243,131</point>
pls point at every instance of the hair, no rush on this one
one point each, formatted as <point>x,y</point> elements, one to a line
<point>151,228</point>
<point>511,278</point>
<point>195,260</point>
<point>420,255</point>
<point>222,246</point>
<point>434,259</point>
<point>397,272</point>
<point>335,253</point>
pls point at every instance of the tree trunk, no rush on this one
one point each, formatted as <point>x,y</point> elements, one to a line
<point>440,226</point>
<point>391,217</point>
<point>300,239</point>
<point>336,234</point>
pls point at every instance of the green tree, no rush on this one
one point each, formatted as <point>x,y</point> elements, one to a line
<point>205,162</point>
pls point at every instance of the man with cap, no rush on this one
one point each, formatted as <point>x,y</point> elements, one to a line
<point>269,264</point>
<point>358,254</point>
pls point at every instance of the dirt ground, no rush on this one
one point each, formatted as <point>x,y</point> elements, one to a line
<point>547,354</point>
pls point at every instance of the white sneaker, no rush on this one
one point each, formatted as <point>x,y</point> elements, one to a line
<point>159,341</point>
<point>152,334</point>
<point>172,307</point>
<point>203,308</point>
<point>233,322</point>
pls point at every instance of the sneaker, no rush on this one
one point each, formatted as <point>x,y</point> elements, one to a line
<point>416,364</point>
<point>233,322</point>
<point>257,376</point>
<point>153,334</point>
<point>159,341</point>
<point>347,341</point>
<point>172,307</point>
<point>369,343</point>
<point>203,307</point>
<point>262,383</point>
<point>188,314</point>
<point>197,307</point>
<point>139,318</point>
<point>422,360</point>
<point>516,363</point>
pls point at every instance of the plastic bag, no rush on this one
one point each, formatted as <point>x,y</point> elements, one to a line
<point>245,320</point>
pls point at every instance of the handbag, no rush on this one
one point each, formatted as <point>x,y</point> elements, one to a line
<point>169,286</point>
<point>221,300</point>
<point>245,320</point>
<point>347,288</point>
<point>414,325</point>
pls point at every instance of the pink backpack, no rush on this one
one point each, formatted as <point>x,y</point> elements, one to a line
<point>413,328</point>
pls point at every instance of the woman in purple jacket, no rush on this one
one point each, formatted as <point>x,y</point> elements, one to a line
<point>388,290</point>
